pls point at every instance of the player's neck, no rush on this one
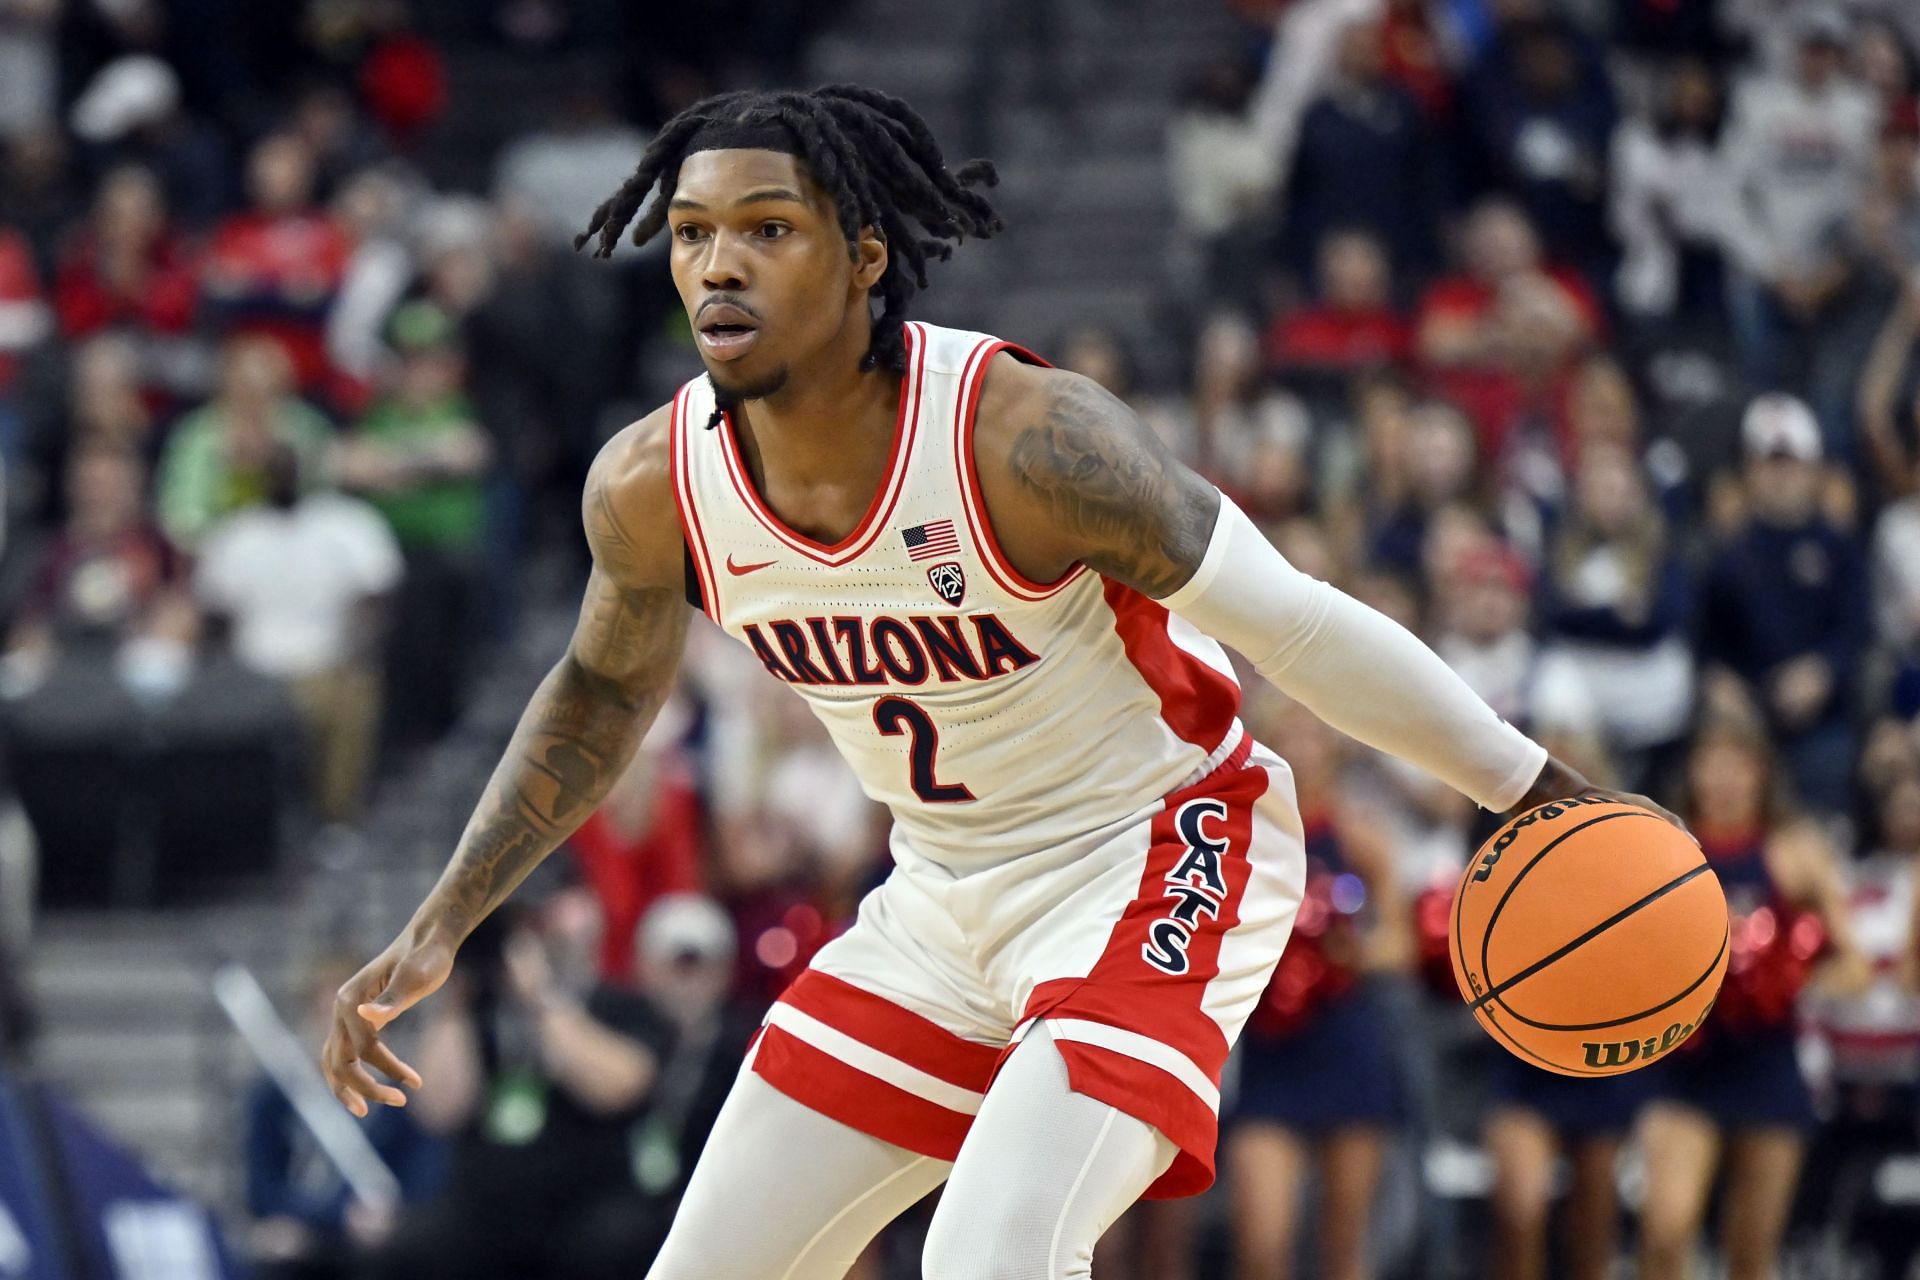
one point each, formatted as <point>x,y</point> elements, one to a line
<point>825,423</point>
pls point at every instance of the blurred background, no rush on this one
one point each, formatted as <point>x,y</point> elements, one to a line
<point>1578,335</point>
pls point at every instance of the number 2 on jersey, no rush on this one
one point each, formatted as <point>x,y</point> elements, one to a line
<point>893,716</point>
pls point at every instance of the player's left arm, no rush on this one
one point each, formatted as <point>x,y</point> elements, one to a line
<point>1071,476</point>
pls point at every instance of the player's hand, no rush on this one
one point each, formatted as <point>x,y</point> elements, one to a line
<point>1558,780</point>
<point>397,979</point>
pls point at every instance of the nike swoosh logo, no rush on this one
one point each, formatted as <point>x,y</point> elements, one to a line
<point>737,569</point>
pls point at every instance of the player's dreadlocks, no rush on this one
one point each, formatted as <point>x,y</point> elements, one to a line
<point>871,152</point>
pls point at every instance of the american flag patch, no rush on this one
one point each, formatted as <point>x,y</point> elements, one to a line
<point>924,541</point>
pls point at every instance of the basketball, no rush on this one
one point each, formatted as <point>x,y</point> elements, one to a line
<point>1589,937</point>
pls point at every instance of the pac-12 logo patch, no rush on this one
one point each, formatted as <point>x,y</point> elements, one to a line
<point>949,582</point>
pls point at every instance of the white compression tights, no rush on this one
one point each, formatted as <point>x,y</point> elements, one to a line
<point>784,1193</point>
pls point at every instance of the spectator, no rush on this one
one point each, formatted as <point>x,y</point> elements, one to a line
<point>1885,61</point>
<point>1619,607</point>
<point>1483,636</point>
<point>1875,1035</point>
<point>1896,596</point>
<point>1672,202</point>
<point>1797,151</point>
<point>29,65</point>
<point>25,321</point>
<point>421,459</point>
<point>127,269</point>
<point>1786,607</point>
<point>645,840</point>
<point>565,170</point>
<point>1221,173</point>
<point>1499,338</point>
<point>1353,324</point>
<point>1542,110</point>
<point>1363,161</point>
<point>1436,468</point>
<point>1890,431</point>
<point>539,1073</point>
<point>685,949</point>
<point>109,560</point>
<point>1732,1100</point>
<point>371,208</point>
<point>1249,435</point>
<point>273,269</point>
<point>306,577</point>
<point>215,462</point>
<point>130,113</point>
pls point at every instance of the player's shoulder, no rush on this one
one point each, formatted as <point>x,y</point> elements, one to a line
<point>628,506</point>
<point>1018,400</point>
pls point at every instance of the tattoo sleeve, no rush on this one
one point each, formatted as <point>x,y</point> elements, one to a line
<point>1111,484</point>
<point>575,738</point>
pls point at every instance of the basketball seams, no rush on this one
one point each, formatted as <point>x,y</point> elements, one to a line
<point>1485,1015</point>
<point>1493,918</point>
<point>1691,987</point>
<point>1496,989</point>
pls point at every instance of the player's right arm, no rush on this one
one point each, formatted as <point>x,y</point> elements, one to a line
<point>575,737</point>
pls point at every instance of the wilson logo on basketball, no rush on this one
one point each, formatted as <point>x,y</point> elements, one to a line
<point>1619,1053</point>
<point>1545,813</point>
<point>1197,886</point>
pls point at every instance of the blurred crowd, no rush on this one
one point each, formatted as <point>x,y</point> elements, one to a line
<point>1580,336</point>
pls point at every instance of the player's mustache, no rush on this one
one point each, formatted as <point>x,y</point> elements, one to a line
<point>733,300</point>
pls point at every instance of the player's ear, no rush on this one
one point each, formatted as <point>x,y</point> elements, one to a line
<point>870,258</point>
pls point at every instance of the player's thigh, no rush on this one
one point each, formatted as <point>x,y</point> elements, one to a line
<point>1043,1173</point>
<point>782,1192</point>
<point>1681,1147</point>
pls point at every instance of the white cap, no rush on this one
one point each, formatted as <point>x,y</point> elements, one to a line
<point>126,93</point>
<point>1777,424</point>
<point>682,924</point>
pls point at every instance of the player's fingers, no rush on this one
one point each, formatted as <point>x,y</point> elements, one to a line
<point>350,1100</point>
<point>361,1081</point>
<point>384,1059</point>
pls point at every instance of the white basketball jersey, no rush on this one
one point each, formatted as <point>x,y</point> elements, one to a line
<point>995,716</point>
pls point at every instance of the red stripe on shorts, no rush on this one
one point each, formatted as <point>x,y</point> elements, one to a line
<point>819,1080</point>
<point>899,1033</point>
<point>1125,990</point>
<point>1147,1093</point>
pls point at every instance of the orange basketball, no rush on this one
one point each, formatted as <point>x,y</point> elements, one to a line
<point>1589,937</point>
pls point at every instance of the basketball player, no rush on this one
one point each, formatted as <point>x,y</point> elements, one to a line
<point>996,589</point>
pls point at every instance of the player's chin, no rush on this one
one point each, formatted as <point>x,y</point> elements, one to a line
<point>736,383</point>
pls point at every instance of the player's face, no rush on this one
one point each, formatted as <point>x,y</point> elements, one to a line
<point>763,267</point>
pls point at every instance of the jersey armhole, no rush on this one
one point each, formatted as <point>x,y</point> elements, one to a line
<point>699,587</point>
<point>973,377</point>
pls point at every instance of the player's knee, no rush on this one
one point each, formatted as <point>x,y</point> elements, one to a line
<point>966,1247</point>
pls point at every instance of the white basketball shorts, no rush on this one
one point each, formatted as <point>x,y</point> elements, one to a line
<point>1145,946</point>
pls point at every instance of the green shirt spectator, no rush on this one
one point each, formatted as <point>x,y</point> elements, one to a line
<point>215,462</point>
<point>418,455</point>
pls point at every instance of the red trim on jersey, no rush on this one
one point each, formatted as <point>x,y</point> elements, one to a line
<point>688,510</point>
<point>973,376</point>
<point>824,1083</point>
<point>880,1024</point>
<point>884,498</point>
<point>1197,702</point>
<point>1123,990</point>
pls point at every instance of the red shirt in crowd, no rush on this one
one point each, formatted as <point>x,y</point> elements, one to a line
<point>160,298</point>
<point>20,297</point>
<point>1492,397</point>
<point>1322,337</point>
<point>629,872</point>
<point>276,274</point>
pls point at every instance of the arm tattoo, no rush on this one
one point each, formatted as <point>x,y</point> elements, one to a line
<point>1111,482</point>
<point>574,739</point>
